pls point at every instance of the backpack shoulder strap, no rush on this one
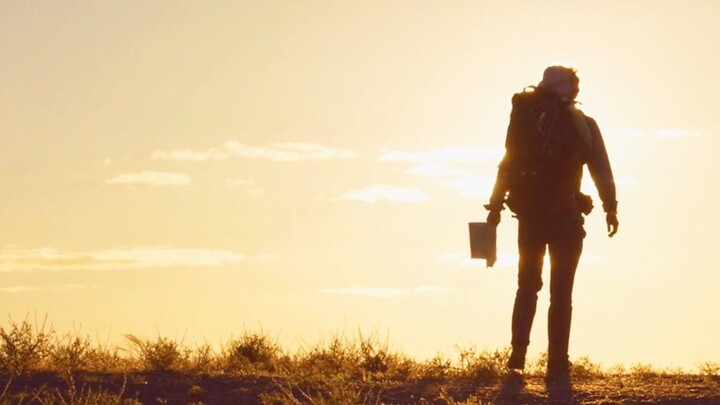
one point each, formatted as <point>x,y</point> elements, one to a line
<point>580,122</point>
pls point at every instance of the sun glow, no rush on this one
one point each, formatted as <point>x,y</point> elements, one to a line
<point>309,166</point>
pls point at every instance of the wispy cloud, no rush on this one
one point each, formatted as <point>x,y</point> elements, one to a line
<point>49,259</point>
<point>445,155</point>
<point>44,288</point>
<point>379,292</point>
<point>246,185</point>
<point>436,170</point>
<point>675,133</point>
<point>463,181</point>
<point>155,179</point>
<point>279,152</point>
<point>376,193</point>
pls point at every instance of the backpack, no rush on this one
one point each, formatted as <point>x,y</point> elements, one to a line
<point>545,146</point>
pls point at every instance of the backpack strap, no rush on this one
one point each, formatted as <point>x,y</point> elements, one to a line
<point>581,126</point>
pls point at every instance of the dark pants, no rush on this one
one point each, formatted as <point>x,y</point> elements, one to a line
<point>564,238</point>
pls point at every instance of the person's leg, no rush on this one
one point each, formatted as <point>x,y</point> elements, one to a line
<point>565,245</point>
<point>531,247</point>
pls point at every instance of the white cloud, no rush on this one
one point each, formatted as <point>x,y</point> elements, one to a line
<point>675,133</point>
<point>169,257</point>
<point>46,288</point>
<point>389,193</point>
<point>155,179</point>
<point>447,154</point>
<point>49,259</point>
<point>436,170</point>
<point>379,292</point>
<point>279,152</point>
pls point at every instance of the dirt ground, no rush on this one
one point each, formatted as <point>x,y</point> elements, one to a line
<point>165,388</point>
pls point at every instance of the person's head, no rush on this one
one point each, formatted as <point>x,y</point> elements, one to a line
<point>561,80</point>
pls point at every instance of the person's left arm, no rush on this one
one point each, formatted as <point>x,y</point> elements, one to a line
<point>602,175</point>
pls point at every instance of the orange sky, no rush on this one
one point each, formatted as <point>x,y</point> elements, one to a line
<point>194,169</point>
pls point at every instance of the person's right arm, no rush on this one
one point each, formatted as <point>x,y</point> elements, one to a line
<point>497,199</point>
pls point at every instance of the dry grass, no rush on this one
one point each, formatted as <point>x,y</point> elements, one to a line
<point>71,369</point>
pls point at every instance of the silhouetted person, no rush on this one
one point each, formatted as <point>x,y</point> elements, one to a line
<point>548,143</point>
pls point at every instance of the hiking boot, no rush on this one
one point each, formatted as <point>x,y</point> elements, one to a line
<point>559,389</point>
<point>557,378</point>
<point>517,358</point>
<point>558,374</point>
<point>512,385</point>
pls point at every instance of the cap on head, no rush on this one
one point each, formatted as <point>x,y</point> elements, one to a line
<point>561,80</point>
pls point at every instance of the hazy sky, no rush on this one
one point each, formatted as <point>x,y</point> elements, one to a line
<point>309,167</point>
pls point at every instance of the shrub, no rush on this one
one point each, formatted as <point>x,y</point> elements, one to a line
<point>617,369</point>
<point>24,347</point>
<point>643,371</point>
<point>710,369</point>
<point>103,359</point>
<point>161,354</point>
<point>485,366</point>
<point>204,360</point>
<point>341,372</point>
<point>582,367</point>
<point>71,353</point>
<point>374,358</point>
<point>377,362</point>
<point>439,368</point>
<point>251,352</point>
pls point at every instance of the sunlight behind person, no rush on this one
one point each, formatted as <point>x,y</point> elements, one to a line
<point>192,169</point>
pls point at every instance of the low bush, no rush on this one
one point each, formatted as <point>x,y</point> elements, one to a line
<point>24,347</point>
